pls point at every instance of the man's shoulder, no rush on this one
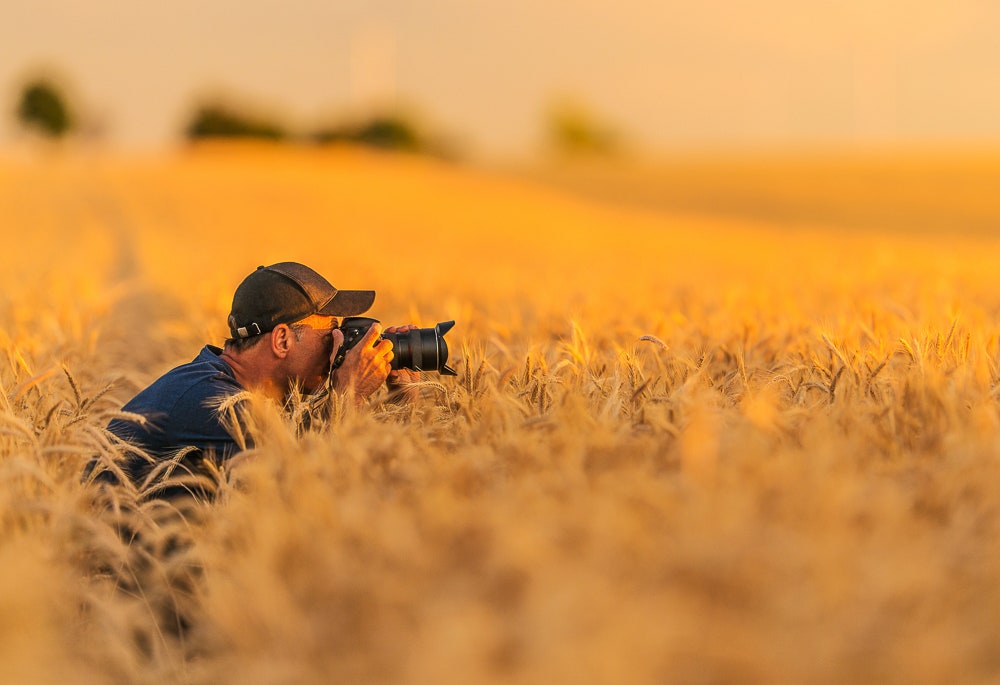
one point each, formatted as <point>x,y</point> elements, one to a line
<point>206,376</point>
<point>179,411</point>
<point>208,367</point>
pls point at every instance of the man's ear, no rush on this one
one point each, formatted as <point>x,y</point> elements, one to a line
<point>281,340</point>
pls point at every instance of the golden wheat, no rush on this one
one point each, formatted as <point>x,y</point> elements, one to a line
<point>679,449</point>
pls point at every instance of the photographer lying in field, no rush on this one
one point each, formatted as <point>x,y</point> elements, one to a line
<point>285,334</point>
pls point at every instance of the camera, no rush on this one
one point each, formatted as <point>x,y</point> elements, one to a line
<point>422,349</point>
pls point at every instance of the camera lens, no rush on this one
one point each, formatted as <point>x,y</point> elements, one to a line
<point>422,349</point>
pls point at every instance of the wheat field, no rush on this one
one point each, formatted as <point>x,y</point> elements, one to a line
<point>680,448</point>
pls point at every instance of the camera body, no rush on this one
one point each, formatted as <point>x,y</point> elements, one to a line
<point>422,349</point>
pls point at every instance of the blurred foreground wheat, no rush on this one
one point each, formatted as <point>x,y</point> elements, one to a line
<point>677,450</point>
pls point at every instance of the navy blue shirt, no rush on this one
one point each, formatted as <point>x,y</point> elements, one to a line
<point>180,411</point>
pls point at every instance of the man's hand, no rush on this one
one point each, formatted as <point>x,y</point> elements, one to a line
<point>401,382</point>
<point>366,365</point>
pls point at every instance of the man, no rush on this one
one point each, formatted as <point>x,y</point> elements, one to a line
<point>283,335</point>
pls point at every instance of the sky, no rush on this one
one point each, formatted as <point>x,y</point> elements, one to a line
<point>664,74</point>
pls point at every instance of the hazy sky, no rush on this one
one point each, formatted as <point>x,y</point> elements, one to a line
<point>665,73</point>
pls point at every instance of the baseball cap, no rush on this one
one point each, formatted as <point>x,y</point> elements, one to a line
<point>287,292</point>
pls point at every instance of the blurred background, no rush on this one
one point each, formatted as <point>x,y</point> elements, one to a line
<point>871,116</point>
<point>491,80</point>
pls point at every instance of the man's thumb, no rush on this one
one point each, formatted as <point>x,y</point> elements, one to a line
<point>338,340</point>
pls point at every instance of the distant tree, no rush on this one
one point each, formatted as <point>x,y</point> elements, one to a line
<point>42,107</point>
<point>222,121</point>
<point>391,133</point>
<point>574,130</point>
<point>386,132</point>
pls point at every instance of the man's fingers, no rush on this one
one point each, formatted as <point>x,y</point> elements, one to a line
<point>372,335</point>
<point>406,328</point>
<point>384,349</point>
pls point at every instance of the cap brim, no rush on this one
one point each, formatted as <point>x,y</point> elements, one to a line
<point>349,303</point>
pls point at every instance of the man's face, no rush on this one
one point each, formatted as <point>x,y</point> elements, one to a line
<point>309,360</point>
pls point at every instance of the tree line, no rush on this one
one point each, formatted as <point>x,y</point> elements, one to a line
<point>44,108</point>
